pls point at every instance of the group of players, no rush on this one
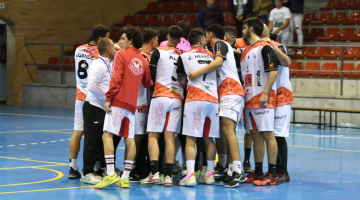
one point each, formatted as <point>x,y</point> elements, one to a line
<point>189,90</point>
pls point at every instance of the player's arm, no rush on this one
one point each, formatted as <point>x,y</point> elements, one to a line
<point>155,55</point>
<point>94,78</point>
<point>118,66</point>
<point>146,80</point>
<point>181,72</point>
<point>271,66</point>
<point>284,59</point>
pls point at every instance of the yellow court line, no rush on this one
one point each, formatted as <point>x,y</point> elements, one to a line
<point>56,163</point>
<point>35,131</point>
<point>60,175</point>
<point>68,188</point>
<point>33,166</point>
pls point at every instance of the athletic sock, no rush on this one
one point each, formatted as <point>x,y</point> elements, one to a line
<point>190,166</point>
<point>168,169</point>
<point>247,155</point>
<point>272,169</point>
<point>210,166</point>
<point>282,155</point>
<point>230,170</point>
<point>110,164</point>
<point>127,169</point>
<point>237,166</point>
<point>73,164</point>
<point>154,166</point>
<point>97,166</point>
<point>259,168</point>
<point>222,160</point>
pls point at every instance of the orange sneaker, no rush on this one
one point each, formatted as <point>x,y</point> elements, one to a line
<point>252,177</point>
<point>267,180</point>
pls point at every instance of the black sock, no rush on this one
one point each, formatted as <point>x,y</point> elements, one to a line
<point>272,169</point>
<point>282,155</point>
<point>154,166</point>
<point>259,168</point>
<point>168,169</point>
<point>247,155</point>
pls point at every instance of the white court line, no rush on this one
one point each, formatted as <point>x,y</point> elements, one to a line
<point>61,140</point>
<point>326,136</point>
<point>36,116</point>
<point>11,145</point>
<point>43,142</point>
<point>33,143</point>
<point>22,144</point>
<point>53,141</point>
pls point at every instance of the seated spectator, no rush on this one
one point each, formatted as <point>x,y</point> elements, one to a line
<point>260,8</point>
<point>279,21</point>
<point>240,9</point>
<point>210,14</point>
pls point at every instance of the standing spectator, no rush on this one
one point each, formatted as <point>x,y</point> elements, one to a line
<point>240,9</point>
<point>210,14</point>
<point>297,10</point>
<point>279,21</point>
<point>261,9</point>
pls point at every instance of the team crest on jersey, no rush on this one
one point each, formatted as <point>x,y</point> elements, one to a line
<point>136,66</point>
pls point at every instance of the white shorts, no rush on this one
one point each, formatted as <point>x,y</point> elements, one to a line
<point>79,119</point>
<point>164,115</point>
<point>232,106</point>
<point>201,119</point>
<point>120,122</point>
<point>282,121</point>
<point>261,119</point>
<point>141,116</point>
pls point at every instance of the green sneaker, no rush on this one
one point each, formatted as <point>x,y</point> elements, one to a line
<point>124,183</point>
<point>199,177</point>
<point>107,180</point>
<point>161,179</point>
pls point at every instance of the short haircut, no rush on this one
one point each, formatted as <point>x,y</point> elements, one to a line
<point>149,34</point>
<point>185,26</point>
<point>175,32</point>
<point>257,25</point>
<point>163,32</point>
<point>103,44</point>
<point>195,35</point>
<point>217,30</point>
<point>99,31</point>
<point>134,33</point>
<point>230,31</point>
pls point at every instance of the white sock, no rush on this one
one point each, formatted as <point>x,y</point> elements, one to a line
<point>183,158</point>
<point>210,166</point>
<point>222,160</point>
<point>230,169</point>
<point>237,166</point>
<point>127,169</point>
<point>190,165</point>
<point>97,166</point>
<point>73,164</point>
<point>110,164</point>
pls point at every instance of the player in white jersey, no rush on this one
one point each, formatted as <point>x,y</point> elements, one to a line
<point>259,69</point>
<point>230,93</point>
<point>84,56</point>
<point>201,118</point>
<point>165,107</point>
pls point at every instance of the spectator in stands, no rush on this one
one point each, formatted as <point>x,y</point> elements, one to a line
<point>297,10</point>
<point>279,21</point>
<point>261,9</point>
<point>163,32</point>
<point>240,9</point>
<point>210,14</point>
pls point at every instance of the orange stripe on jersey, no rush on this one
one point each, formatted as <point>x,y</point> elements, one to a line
<point>162,91</point>
<point>255,101</point>
<point>197,94</point>
<point>91,50</point>
<point>240,43</point>
<point>284,97</point>
<point>230,86</point>
<point>259,43</point>
<point>80,96</point>
<point>201,50</point>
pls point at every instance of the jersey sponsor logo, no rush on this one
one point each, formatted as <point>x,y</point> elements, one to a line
<point>117,117</point>
<point>197,119</point>
<point>279,117</point>
<point>258,78</point>
<point>159,114</point>
<point>218,53</point>
<point>136,66</point>
<point>248,80</point>
<point>271,66</point>
<point>262,112</point>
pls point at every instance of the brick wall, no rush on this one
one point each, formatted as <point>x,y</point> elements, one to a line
<point>55,21</point>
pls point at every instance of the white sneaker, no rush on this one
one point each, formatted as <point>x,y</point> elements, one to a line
<point>191,181</point>
<point>91,179</point>
<point>151,179</point>
<point>299,52</point>
<point>168,181</point>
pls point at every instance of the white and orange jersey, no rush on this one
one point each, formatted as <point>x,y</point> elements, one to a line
<point>228,78</point>
<point>204,88</point>
<point>84,56</point>
<point>163,64</point>
<point>256,63</point>
<point>144,94</point>
<point>241,44</point>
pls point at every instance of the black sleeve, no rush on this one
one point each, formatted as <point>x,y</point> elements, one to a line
<point>155,55</point>
<point>283,50</point>
<point>269,58</point>
<point>220,49</point>
<point>180,67</point>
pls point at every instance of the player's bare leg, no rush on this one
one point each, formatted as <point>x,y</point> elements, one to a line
<point>190,153</point>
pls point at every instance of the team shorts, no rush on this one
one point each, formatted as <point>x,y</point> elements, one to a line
<point>232,106</point>
<point>164,115</point>
<point>120,122</point>
<point>201,119</point>
<point>282,121</point>
<point>261,119</point>
<point>79,119</point>
<point>141,116</point>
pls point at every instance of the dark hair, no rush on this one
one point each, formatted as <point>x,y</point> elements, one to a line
<point>149,34</point>
<point>103,44</point>
<point>175,32</point>
<point>257,25</point>
<point>163,32</point>
<point>134,33</point>
<point>185,26</point>
<point>217,30</point>
<point>195,35</point>
<point>230,31</point>
<point>99,31</point>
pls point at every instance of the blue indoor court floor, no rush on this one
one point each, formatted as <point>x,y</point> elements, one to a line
<point>323,164</point>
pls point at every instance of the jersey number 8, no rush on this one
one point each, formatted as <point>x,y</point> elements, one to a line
<point>82,69</point>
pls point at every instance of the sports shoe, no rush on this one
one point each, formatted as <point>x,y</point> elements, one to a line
<point>191,181</point>
<point>299,52</point>
<point>252,177</point>
<point>107,180</point>
<point>123,183</point>
<point>151,179</point>
<point>134,178</point>
<point>283,178</point>
<point>247,167</point>
<point>176,168</point>
<point>199,177</point>
<point>236,179</point>
<point>74,174</point>
<point>100,172</point>
<point>222,179</point>
<point>184,170</point>
<point>161,179</point>
<point>168,181</point>
<point>220,171</point>
<point>268,179</point>
<point>91,179</point>
<point>209,179</point>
